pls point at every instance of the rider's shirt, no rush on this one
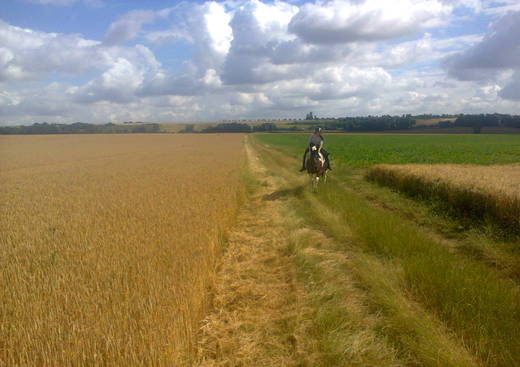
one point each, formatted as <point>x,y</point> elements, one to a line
<point>316,140</point>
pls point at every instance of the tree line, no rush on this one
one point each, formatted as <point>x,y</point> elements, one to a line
<point>366,123</point>
<point>477,122</point>
<point>80,128</point>
<point>237,127</point>
<point>371,123</point>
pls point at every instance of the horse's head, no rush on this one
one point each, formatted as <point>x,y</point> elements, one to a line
<point>314,152</point>
<point>317,161</point>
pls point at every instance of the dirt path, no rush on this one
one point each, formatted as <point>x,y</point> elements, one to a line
<point>258,318</point>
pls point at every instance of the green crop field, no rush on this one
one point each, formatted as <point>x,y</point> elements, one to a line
<point>366,150</point>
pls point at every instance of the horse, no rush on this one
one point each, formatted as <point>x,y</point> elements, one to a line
<point>316,167</point>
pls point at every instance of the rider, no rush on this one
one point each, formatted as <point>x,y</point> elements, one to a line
<point>316,140</point>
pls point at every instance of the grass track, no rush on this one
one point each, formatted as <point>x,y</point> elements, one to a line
<point>448,286</point>
<point>263,317</point>
<point>418,337</point>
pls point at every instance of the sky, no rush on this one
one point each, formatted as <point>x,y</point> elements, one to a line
<point>105,61</point>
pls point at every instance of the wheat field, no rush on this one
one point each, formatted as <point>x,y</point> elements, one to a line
<point>108,244</point>
<point>484,192</point>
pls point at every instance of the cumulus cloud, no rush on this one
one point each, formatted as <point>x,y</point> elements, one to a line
<point>332,83</point>
<point>117,84</point>
<point>183,84</point>
<point>496,56</point>
<point>128,68</point>
<point>500,7</point>
<point>511,90</point>
<point>475,5</point>
<point>9,99</point>
<point>339,82</point>
<point>370,20</point>
<point>296,52</point>
<point>30,55</point>
<point>210,34</point>
<point>205,27</point>
<point>43,102</point>
<point>257,29</point>
<point>167,36</point>
<point>25,53</point>
<point>425,50</point>
<point>252,58</point>
<point>499,49</point>
<point>127,26</point>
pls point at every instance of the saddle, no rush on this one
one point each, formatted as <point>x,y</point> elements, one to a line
<point>314,153</point>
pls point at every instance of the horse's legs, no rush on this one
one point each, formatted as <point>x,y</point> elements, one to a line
<point>311,177</point>
<point>315,181</point>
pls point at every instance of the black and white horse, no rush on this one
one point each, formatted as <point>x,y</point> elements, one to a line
<point>316,167</point>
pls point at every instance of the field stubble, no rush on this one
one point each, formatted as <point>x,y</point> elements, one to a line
<point>108,245</point>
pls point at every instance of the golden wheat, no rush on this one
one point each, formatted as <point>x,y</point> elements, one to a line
<point>481,191</point>
<point>108,245</point>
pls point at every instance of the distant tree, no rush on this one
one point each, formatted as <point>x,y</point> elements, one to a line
<point>265,127</point>
<point>188,129</point>
<point>371,123</point>
<point>444,124</point>
<point>511,121</point>
<point>228,128</point>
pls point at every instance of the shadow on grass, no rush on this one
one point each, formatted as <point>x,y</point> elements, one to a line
<point>283,194</point>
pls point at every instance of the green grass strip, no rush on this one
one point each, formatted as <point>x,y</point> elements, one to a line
<point>474,301</point>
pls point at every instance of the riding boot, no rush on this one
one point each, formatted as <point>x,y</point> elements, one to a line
<point>303,163</point>
<point>328,163</point>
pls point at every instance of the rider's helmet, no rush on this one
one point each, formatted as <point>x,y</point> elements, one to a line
<point>317,130</point>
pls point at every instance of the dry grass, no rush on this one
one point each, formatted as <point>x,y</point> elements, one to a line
<point>258,317</point>
<point>108,245</point>
<point>482,192</point>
